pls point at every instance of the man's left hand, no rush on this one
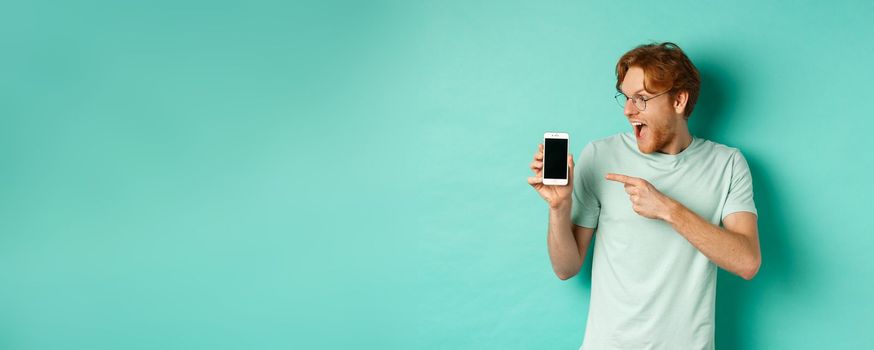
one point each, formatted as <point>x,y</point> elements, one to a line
<point>646,200</point>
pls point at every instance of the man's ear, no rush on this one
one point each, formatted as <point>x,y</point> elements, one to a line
<point>680,101</point>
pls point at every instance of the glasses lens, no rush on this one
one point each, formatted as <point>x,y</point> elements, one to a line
<point>620,99</point>
<point>639,102</point>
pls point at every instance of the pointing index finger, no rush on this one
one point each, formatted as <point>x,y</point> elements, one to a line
<point>622,178</point>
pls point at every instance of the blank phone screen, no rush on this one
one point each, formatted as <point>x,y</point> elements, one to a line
<point>555,157</point>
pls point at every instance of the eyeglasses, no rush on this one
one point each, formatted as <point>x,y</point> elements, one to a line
<point>639,101</point>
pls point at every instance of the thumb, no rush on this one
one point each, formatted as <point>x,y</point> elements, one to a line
<point>570,170</point>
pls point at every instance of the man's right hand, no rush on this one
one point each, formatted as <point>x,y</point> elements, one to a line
<point>556,196</point>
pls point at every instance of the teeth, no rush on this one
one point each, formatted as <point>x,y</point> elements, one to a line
<point>636,123</point>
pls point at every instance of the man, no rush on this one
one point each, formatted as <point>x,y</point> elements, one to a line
<point>657,196</point>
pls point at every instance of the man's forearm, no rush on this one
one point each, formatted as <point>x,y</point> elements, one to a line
<point>563,251</point>
<point>729,250</point>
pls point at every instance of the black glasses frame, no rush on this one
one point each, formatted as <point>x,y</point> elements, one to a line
<point>638,101</point>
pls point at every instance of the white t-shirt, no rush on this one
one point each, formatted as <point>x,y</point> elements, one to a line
<point>651,288</point>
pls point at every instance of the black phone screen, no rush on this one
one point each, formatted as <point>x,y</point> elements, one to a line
<point>555,158</point>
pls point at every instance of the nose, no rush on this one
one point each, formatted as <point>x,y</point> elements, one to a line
<point>630,108</point>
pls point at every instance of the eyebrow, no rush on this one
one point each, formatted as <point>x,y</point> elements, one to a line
<point>644,90</point>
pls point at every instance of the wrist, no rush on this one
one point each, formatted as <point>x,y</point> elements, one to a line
<point>564,206</point>
<point>672,211</point>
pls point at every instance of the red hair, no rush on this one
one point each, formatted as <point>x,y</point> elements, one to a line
<point>665,67</point>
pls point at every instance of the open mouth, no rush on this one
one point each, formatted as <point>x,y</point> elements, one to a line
<point>639,129</point>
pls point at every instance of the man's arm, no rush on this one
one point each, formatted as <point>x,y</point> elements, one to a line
<point>734,248</point>
<point>567,243</point>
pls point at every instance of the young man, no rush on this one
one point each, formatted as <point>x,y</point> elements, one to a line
<point>657,196</point>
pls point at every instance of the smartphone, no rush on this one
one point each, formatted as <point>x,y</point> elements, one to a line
<point>555,166</point>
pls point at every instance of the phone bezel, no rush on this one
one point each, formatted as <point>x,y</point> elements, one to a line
<point>548,181</point>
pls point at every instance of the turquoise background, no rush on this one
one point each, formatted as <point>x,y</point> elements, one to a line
<point>337,175</point>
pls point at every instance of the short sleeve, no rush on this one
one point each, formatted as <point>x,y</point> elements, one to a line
<point>740,191</point>
<point>586,206</point>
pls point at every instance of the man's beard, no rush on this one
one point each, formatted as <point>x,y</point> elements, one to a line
<point>656,139</point>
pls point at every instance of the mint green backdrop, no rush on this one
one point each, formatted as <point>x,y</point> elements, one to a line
<point>280,175</point>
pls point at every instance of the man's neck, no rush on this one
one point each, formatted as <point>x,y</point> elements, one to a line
<point>681,141</point>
